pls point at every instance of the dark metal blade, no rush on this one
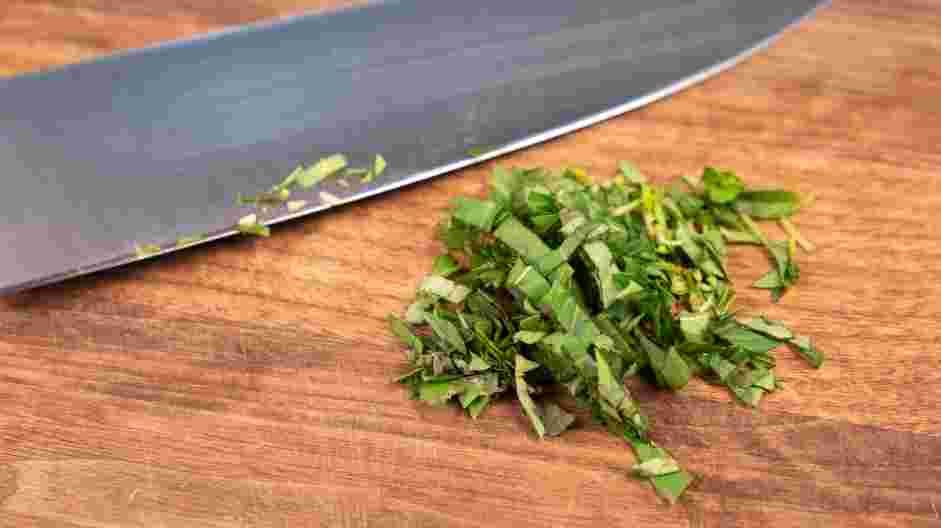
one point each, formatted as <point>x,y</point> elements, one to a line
<point>149,146</point>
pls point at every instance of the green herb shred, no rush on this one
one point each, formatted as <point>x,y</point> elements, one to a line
<point>554,280</point>
<point>250,225</point>
<point>279,196</point>
<point>189,240</point>
<point>321,170</point>
<point>302,179</point>
<point>146,250</point>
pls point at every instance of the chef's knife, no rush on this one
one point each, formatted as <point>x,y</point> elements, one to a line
<point>152,145</point>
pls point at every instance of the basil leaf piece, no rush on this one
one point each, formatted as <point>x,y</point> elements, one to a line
<point>477,364</point>
<point>190,240</point>
<point>556,419</point>
<point>721,186</point>
<point>615,401</point>
<point>768,205</point>
<point>528,337</point>
<point>146,250</point>
<point>402,330</point>
<point>447,332</point>
<point>478,213</point>
<point>296,205</point>
<point>805,347</point>
<point>290,180</point>
<point>741,336</point>
<point>695,326</point>
<point>249,225</point>
<point>669,486</point>
<point>438,286</point>
<point>321,170</point>
<point>478,151</point>
<point>534,413</point>
<point>358,172</point>
<point>654,467</point>
<point>667,364</point>
<point>769,328</point>
<point>445,265</point>
<point>378,167</point>
<point>630,173</point>
<point>476,408</point>
<point>439,392</point>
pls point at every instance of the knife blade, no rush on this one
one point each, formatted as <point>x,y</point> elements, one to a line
<point>152,145</point>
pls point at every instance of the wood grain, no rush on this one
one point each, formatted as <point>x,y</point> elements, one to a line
<point>246,383</point>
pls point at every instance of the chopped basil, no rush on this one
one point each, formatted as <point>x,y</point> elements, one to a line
<point>189,240</point>
<point>329,198</point>
<point>721,186</point>
<point>146,250</point>
<point>296,205</point>
<point>321,170</point>
<point>357,172</point>
<point>445,265</point>
<point>477,151</point>
<point>250,226</point>
<point>378,167</point>
<point>553,279</point>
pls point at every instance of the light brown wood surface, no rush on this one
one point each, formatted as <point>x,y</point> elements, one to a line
<point>246,383</point>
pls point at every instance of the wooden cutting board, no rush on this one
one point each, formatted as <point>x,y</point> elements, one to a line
<point>246,383</point>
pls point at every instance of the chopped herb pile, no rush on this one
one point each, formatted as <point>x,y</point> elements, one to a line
<point>556,280</point>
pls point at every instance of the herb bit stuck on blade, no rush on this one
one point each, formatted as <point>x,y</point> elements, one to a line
<point>249,225</point>
<point>329,198</point>
<point>296,205</point>
<point>146,250</point>
<point>183,242</point>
